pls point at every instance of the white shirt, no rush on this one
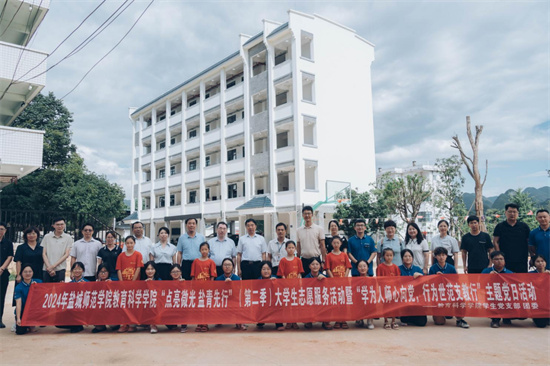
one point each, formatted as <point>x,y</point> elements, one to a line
<point>162,255</point>
<point>144,246</point>
<point>86,252</point>
<point>277,251</point>
<point>448,242</point>
<point>418,251</point>
<point>221,249</point>
<point>252,247</point>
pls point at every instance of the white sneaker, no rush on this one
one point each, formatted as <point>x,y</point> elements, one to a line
<point>13,327</point>
<point>370,325</point>
<point>154,329</point>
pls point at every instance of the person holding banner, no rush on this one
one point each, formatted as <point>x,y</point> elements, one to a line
<point>499,266</point>
<point>290,267</point>
<point>388,268</point>
<point>409,269</point>
<point>104,275</point>
<point>338,266</point>
<point>176,275</point>
<point>310,241</point>
<point>361,246</point>
<point>228,275</point>
<point>20,295</point>
<point>363,269</point>
<point>203,269</point>
<point>77,276</point>
<point>539,263</point>
<point>129,265</point>
<point>266,270</point>
<point>251,251</point>
<point>442,267</point>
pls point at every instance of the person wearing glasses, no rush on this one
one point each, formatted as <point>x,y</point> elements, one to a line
<point>85,250</point>
<point>361,246</point>
<point>57,247</point>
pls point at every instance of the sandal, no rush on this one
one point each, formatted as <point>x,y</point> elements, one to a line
<point>394,326</point>
<point>295,326</point>
<point>281,328</point>
<point>288,326</point>
<point>344,325</point>
<point>198,328</point>
<point>337,325</point>
<point>327,326</point>
<point>387,325</point>
<point>205,328</point>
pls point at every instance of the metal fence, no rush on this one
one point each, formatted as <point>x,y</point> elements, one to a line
<point>18,220</point>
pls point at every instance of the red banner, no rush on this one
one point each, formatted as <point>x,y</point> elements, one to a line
<point>281,301</point>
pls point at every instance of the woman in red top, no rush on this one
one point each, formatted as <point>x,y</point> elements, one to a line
<point>203,269</point>
<point>290,267</point>
<point>338,266</point>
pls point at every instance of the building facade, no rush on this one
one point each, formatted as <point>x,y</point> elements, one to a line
<point>258,133</point>
<point>22,77</point>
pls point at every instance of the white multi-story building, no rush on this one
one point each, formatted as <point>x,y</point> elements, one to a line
<point>258,133</point>
<point>22,77</point>
<point>428,215</point>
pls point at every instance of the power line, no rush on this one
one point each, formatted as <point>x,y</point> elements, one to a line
<point>66,38</point>
<point>11,20</point>
<point>111,50</point>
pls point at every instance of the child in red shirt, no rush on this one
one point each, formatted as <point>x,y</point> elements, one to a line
<point>128,266</point>
<point>290,267</point>
<point>387,268</point>
<point>203,269</point>
<point>338,265</point>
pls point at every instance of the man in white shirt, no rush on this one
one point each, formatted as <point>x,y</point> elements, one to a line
<point>143,243</point>
<point>189,247</point>
<point>310,240</point>
<point>276,248</point>
<point>221,247</point>
<point>251,251</point>
<point>85,250</point>
<point>57,247</point>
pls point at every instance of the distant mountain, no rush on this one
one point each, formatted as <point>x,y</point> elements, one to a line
<point>541,196</point>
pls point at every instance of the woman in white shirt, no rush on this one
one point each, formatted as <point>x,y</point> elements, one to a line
<point>415,241</point>
<point>447,242</point>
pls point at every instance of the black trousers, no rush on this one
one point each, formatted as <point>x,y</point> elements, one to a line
<point>419,321</point>
<point>163,271</point>
<point>541,322</point>
<point>59,276</point>
<point>251,270</point>
<point>517,267</point>
<point>219,270</point>
<point>4,282</point>
<point>186,269</point>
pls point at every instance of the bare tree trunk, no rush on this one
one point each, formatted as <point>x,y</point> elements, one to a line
<point>472,165</point>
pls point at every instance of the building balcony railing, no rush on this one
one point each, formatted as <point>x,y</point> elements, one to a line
<point>146,159</point>
<point>212,171</point>
<point>145,187</point>
<point>212,136</point>
<point>212,207</point>
<point>285,198</point>
<point>191,144</point>
<point>146,132</point>
<point>234,129</point>
<point>231,204</point>
<point>234,166</point>
<point>192,176</point>
<point>282,70</point>
<point>175,119</point>
<point>283,112</point>
<point>234,92</point>
<point>160,126</point>
<point>192,208</point>
<point>192,111</point>
<point>211,102</point>
<point>284,154</point>
<point>174,180</point>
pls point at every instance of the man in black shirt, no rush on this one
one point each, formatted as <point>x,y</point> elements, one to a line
<point>511,237</point>
<point>475,247</point>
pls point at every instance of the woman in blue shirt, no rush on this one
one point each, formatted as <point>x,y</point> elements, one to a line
<point>20,295</point>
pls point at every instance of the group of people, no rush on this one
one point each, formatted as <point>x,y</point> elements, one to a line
<point>312,255</point>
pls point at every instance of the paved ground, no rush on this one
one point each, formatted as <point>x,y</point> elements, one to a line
<point>519,344</point>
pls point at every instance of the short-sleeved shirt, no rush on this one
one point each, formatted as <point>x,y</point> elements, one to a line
<point>309,238</point>
<point>394,243</point>
<point>86,252</point>
<point>109,257</point>
<point>361,248</point>
<point>410,271</point>
<point>143,245</point>
<point>6,250</point>
<point>22,292</point>
<point>56,247</point>
<point>418,251</point>
<point>203,270</point>
<point>25,254</point>
<point>338,264</point>
<point>477,247</point>
<point>162,255</point>
<point>540,239</point>
<point>448,242</point>
<point>447,269</point>
<point>128,264</point>
<point>221,249</point>
<point>328,243</point>
<point>290,269</point>
<point>251,247</point>
<point>513,241</point>
<point>277,251</point>
<point>385,270</point>
<point>189,247</point>
<point>492,268</point>
<point>233,277</point>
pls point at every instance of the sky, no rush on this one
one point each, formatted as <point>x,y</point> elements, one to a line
<point>435,63</point>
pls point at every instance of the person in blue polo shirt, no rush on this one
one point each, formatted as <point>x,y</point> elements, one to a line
<point>361,246</point>
<point>539,238</point>
<point>499,266</point>
<point>442,267</point>
<point>20,295</point>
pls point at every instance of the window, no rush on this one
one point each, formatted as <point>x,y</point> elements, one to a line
<point>242,115</point>
<point>307,46</point>
<point>281,99</point>
<point>172,140</point>
<point>308,88</point>
<point>173,170</point>
<point>192,165</point>
<point>311,176</point>
<point>232,190</point>
<point>309,132</point>
<point>231,154</point>
<point>192,133</point>
<point>282,139</point>
<point>162,118</point>
<point>280,59</point>
<point>207,95</point>
<point>207,194</point>
<point>162,144</point>
<point>282,182</point>
<point>192,103</point>
<point>207,128</point>
<point>232,118</point>
<point>172,200</point>
<point>162,203</point>
<point>207,161</point>
<point>192,196</point>
<point>162,173</point>
<point>231,84</point>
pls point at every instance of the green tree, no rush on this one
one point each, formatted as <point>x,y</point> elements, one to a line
<point>404,195</point>
<point>63,183</point>
<point>46,112</point>
<point>448,190</point>
<point>526,205</point>
<point>365,206</point>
